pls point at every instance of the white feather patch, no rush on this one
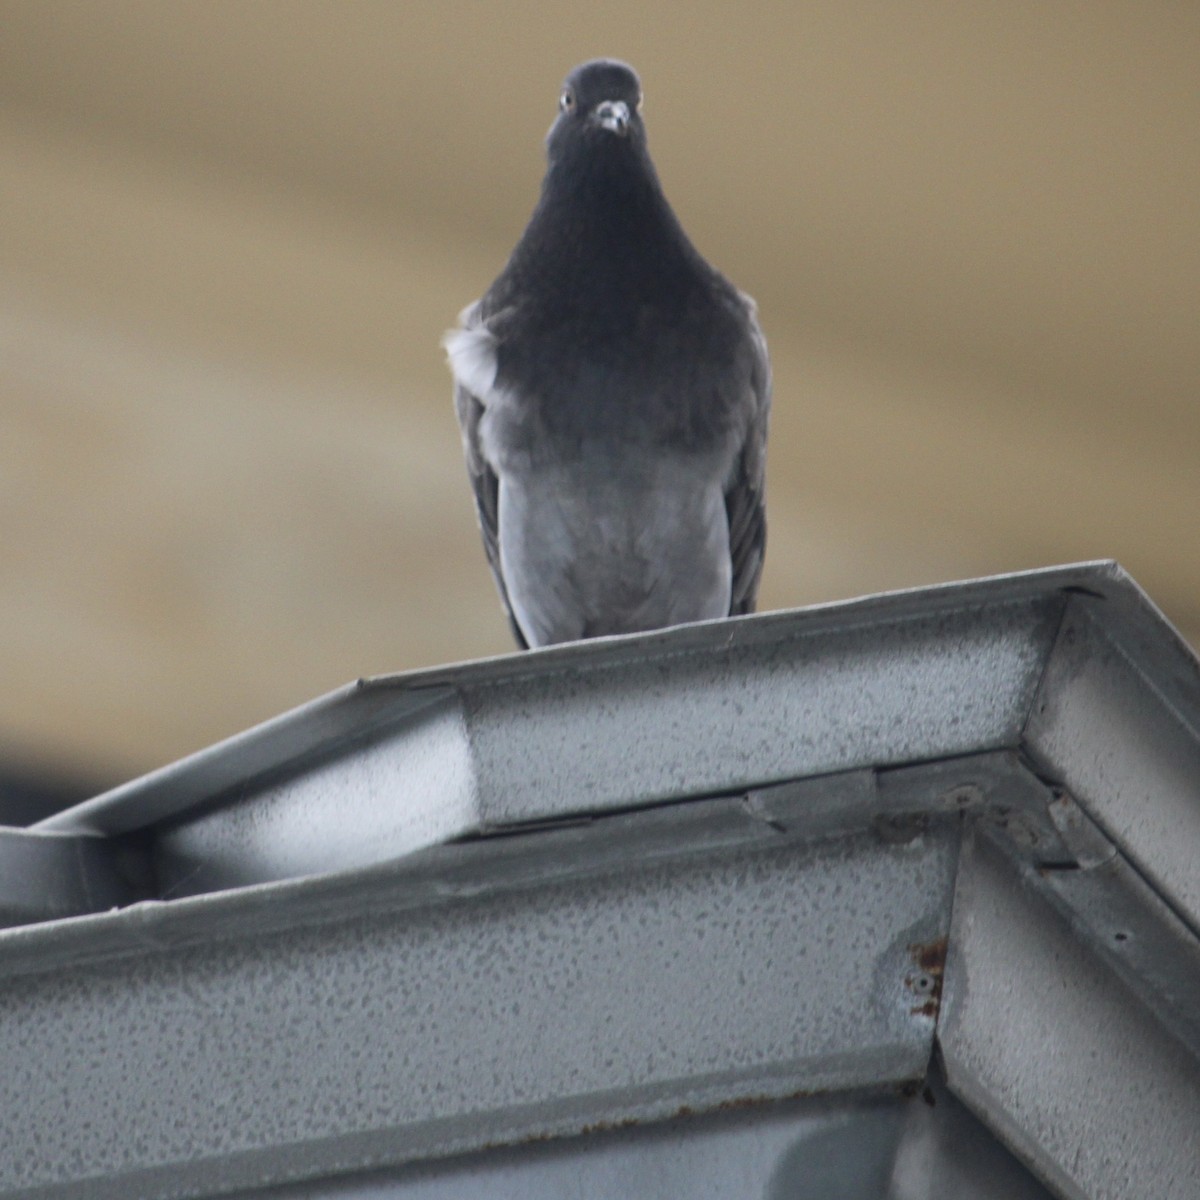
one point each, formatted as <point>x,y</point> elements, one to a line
<point>471,350</point>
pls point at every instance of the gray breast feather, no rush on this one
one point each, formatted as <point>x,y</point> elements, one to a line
<point>614,548</point>
<point>589,535</point>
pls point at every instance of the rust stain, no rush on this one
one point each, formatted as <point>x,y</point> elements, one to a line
<point>685,1111</point>
<point>930,956</point>
<point>739,1103</point>
<point>734,1104</point>
<point>610,1126</point>
<point>930,960</point>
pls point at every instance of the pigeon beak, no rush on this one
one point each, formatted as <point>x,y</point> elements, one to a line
<point>612,115</point>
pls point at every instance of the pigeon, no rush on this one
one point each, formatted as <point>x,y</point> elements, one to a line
<point>613,392</point>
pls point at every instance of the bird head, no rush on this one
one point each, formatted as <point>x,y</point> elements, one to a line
<point>600,102</point>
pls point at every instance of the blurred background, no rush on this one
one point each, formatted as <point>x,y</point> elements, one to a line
<point>232,234</point>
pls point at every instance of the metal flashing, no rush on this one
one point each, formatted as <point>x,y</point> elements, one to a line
<point>487,1015</point>
<point>600,726</point>
<point>1043,1040</point>
<point>612,882</point>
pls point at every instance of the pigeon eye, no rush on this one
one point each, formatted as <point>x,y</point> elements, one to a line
<point>566,101</point>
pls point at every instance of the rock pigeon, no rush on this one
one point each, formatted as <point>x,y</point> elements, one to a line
<point>613,392</point>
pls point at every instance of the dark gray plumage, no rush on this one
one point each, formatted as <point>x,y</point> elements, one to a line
<point>613,391</point>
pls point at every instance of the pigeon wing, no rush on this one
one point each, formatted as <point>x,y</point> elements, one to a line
<point>471,349</point>
<point>745,493</point>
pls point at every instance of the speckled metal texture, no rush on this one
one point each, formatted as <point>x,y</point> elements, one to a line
<point>531,747</point>
<point>389,793</point>
<point>640,730</point>
<point>924,1146</point>
<point>649,963</point>
<point>397,763</point>
<point>615,881</point>
<point>1122,733</point>
<point>287,745</point>
<point>1138,936</point>
<point>1039,1037</point>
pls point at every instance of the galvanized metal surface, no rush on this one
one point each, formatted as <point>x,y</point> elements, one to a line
<point>386,795</point>
<point>810,703</point>
<point>411,918</point>
<point>598,726</point>
<point>435,1023</point>
<point>609,735</point>
<point>1110,729</point>
<point>878,1147</point>
<point>289,744</point>
<point>47,876</point>
<point>1126,924</point>
<point>1055,1054</point>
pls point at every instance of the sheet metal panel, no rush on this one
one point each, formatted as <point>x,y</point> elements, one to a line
<point>714,707</point>
<point>393,764</point>
<point>47,876</point>
<point>397,995</point>
<point>382,797</point>
<point>1055,1053</point>
<point>287,745</point>
<point>1123,736</point>
<point>465,1015</point>
<point>773,647</point>
<point>685,713</point>
<point>877,1147</point>
<point>1125,922</point>
<point>865,695</point>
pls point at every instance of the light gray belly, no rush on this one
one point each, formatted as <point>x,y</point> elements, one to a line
<point>588,551</point>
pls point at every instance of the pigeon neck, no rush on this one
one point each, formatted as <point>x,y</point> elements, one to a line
<point>607,213</point>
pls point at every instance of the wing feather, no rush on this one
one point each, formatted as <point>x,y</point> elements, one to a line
<point>745,493</point>
<point>471,350</point>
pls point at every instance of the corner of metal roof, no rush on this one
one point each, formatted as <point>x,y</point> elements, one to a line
<point>393,763</point>
<point>801,852</point>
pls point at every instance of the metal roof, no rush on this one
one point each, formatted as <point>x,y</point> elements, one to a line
<point>621,880</point>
